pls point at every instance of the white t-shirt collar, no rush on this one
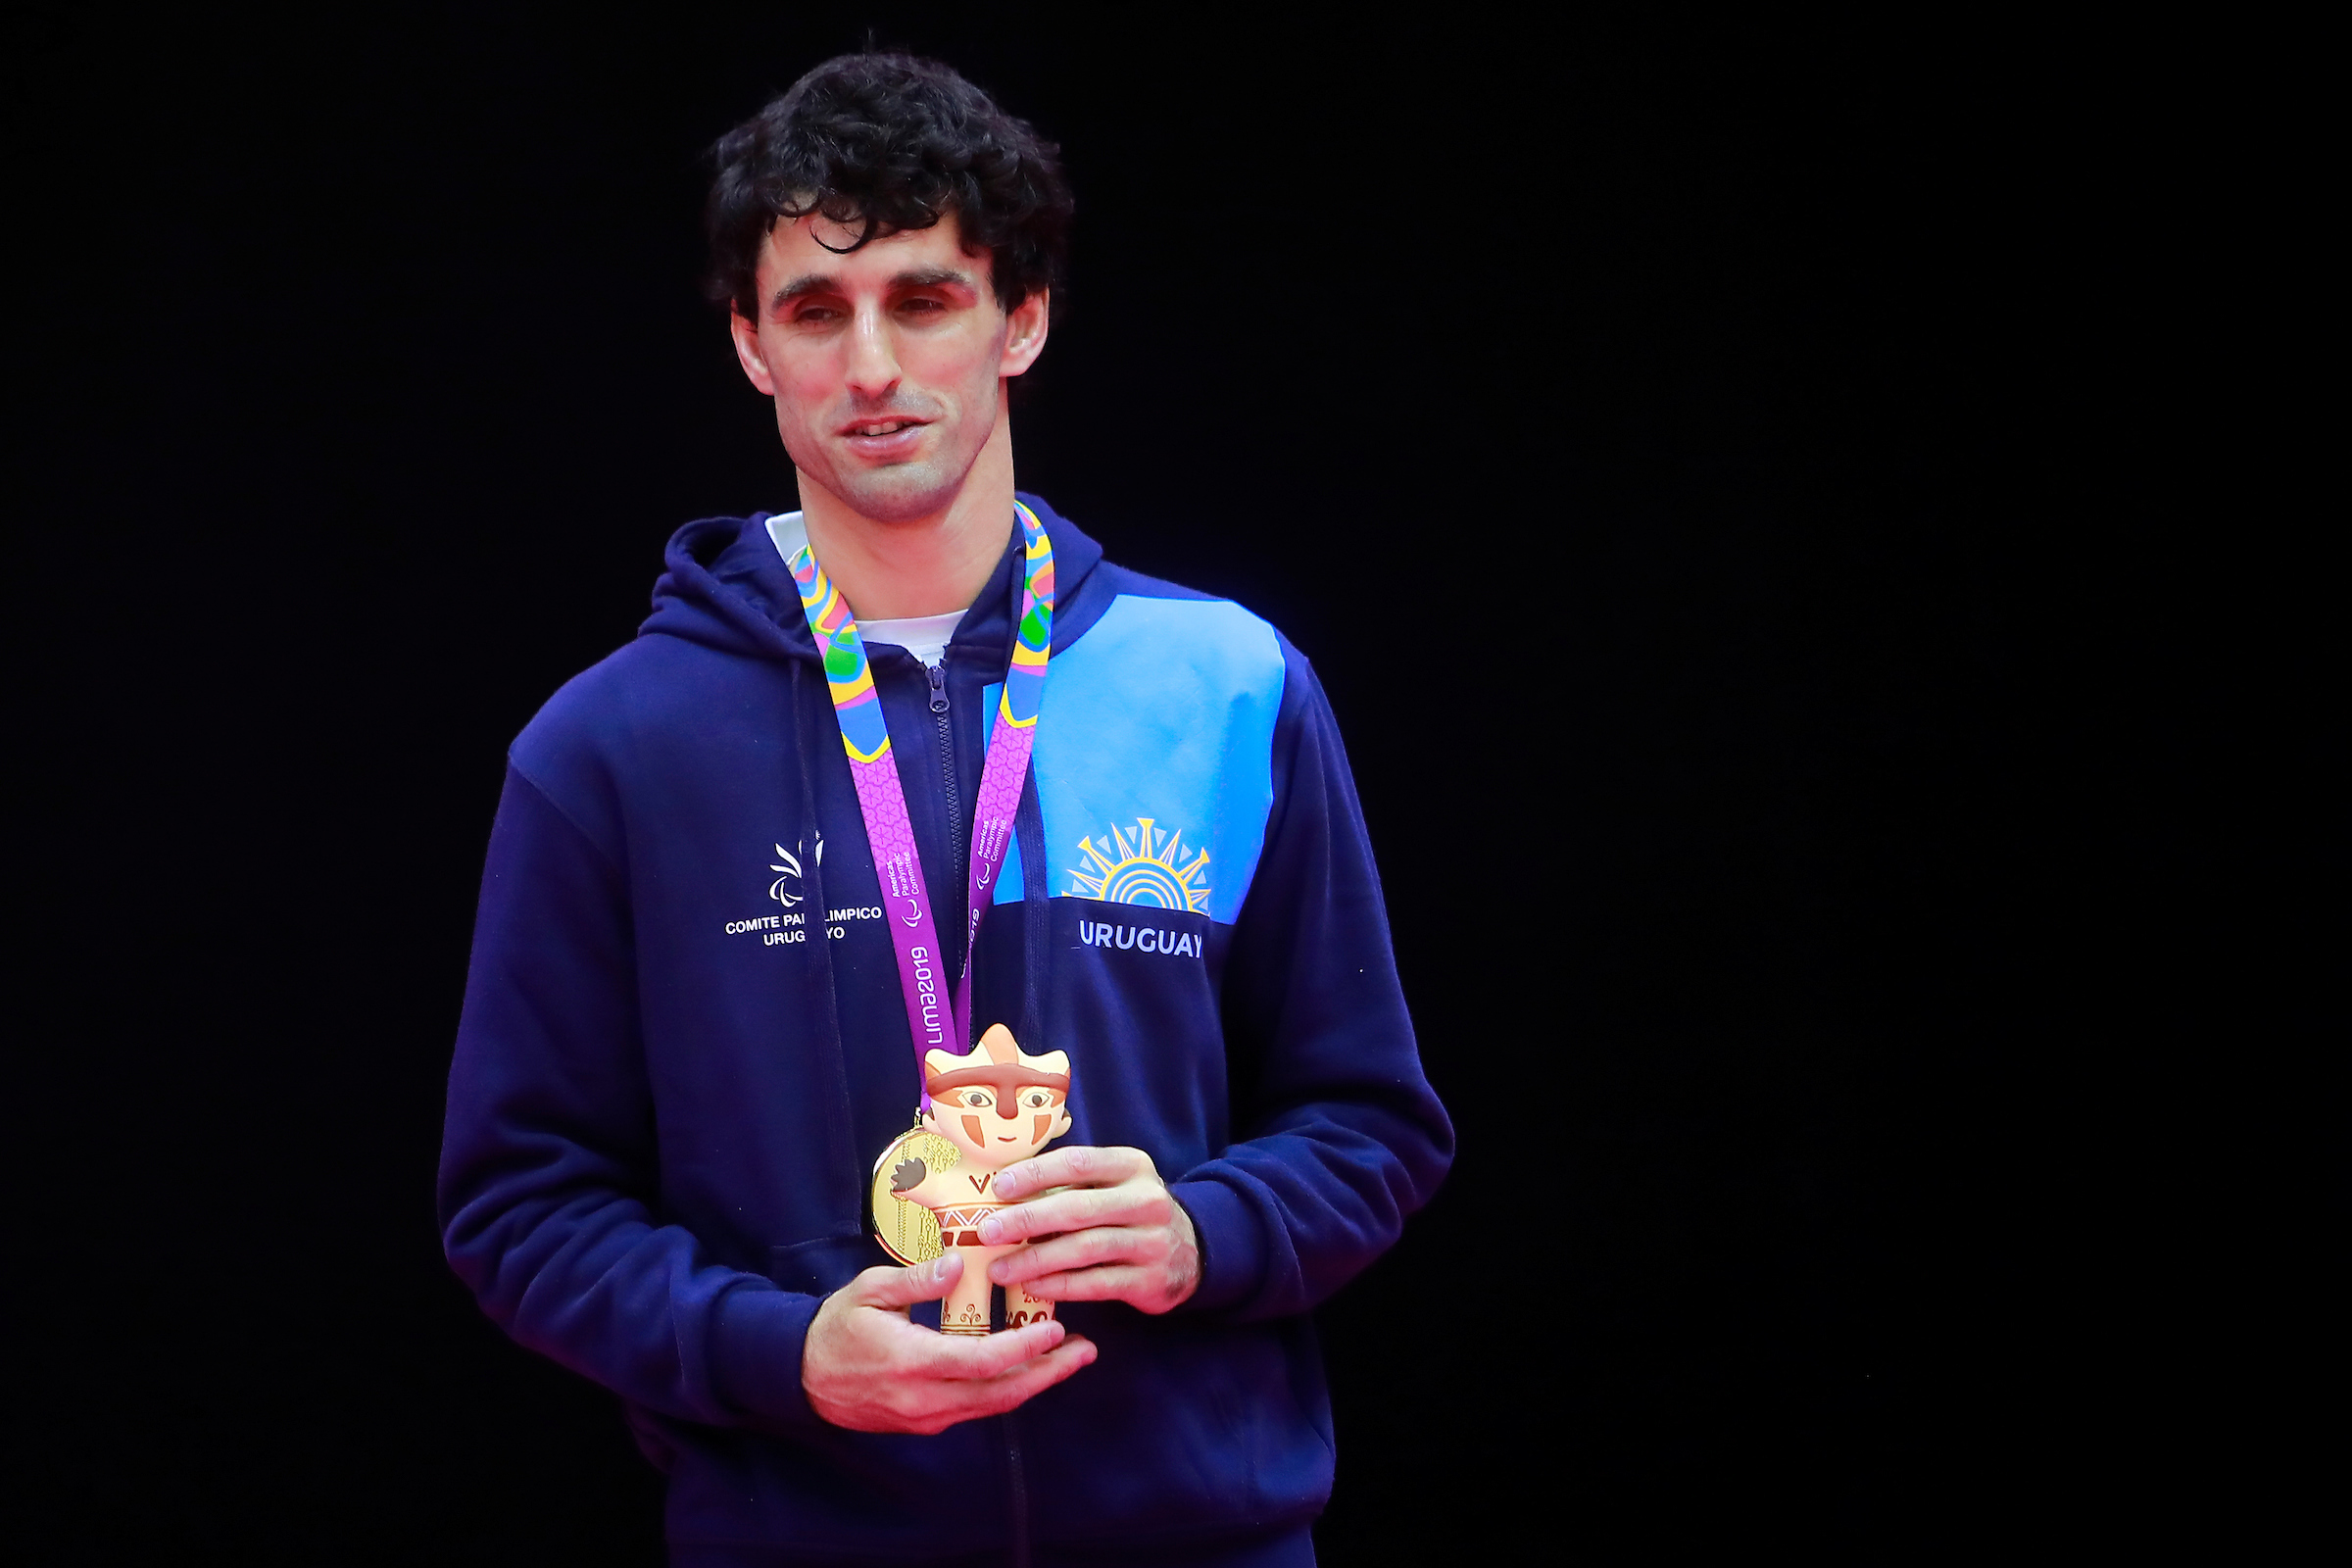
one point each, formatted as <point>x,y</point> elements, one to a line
<point>927,637</point>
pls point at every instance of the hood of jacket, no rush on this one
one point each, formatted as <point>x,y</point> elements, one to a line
<point>723,586</point>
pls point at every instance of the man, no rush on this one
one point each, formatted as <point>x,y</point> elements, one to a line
<point>683,1059</point>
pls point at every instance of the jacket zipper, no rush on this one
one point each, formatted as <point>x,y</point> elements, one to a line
<point>958,872</point>
<point>1016,1473</point>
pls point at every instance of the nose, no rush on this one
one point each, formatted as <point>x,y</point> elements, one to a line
<point>1008,1106</point>
<point>873,363</point>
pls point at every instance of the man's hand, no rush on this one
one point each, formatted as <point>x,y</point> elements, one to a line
<point>867,1368</point>
<point>1114,1235</point>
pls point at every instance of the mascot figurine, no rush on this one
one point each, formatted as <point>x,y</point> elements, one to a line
<point>988,1110</point>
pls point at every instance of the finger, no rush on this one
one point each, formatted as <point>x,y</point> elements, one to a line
<point>1135,1203</point>
<point>899,1288</point>
<point>977,1357</point>
<point>1087,1249</point>
<point>966,1401</point>
<point>1024,1383</point>
<point>1119,1282</point>
<point>1081,1166</point>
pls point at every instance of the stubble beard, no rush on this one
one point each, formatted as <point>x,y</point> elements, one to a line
<point>903,492</point>
<point>907,492</point>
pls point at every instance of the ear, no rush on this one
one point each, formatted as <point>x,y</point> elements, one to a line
<point>1062,1126</point>
<point>1025,332</point>
<point>748,354</point>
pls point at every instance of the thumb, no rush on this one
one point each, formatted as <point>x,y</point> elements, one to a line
<point>897,1288</point>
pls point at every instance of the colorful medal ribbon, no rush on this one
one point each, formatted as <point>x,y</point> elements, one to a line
<point>882,800</point>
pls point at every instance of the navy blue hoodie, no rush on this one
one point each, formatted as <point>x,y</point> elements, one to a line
<point>683,1047</point>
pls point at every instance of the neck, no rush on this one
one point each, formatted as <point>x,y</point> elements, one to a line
<point>925,566</point>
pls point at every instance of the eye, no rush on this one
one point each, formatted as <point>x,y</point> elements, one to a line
<point>814,315</point>
<point>976,1100</point>
<point>1039,1100</point>
<point>922,305</point>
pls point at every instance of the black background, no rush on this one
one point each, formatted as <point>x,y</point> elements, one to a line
<point>1602,410</point>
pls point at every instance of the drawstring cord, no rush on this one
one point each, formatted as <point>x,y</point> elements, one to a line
<point>819,927</point>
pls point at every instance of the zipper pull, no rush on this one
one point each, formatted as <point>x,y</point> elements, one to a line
<point>939,685</point>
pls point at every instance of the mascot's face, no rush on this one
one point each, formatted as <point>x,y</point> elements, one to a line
<point>996,1127</point>
<point>998,1105</point>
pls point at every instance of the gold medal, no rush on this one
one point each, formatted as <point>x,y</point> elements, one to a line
<point>910,1232</point>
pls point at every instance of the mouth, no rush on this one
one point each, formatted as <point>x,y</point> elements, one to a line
<point>1012,1140</point>
<point>883,440</point>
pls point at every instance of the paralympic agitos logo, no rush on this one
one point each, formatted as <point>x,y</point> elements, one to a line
<point>784,888</point>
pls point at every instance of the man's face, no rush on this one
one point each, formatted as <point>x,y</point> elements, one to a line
<point>886,364</point>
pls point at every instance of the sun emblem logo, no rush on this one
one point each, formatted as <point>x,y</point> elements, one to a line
<point>1146,866</point>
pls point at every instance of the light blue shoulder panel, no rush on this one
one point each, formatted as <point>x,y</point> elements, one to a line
<point>1155,757</point>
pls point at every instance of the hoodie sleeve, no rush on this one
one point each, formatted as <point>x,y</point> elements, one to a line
<point>1346,1136</point>
<point>548,1159</point>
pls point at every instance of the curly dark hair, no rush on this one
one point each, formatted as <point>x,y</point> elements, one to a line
<point>888,142</point>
